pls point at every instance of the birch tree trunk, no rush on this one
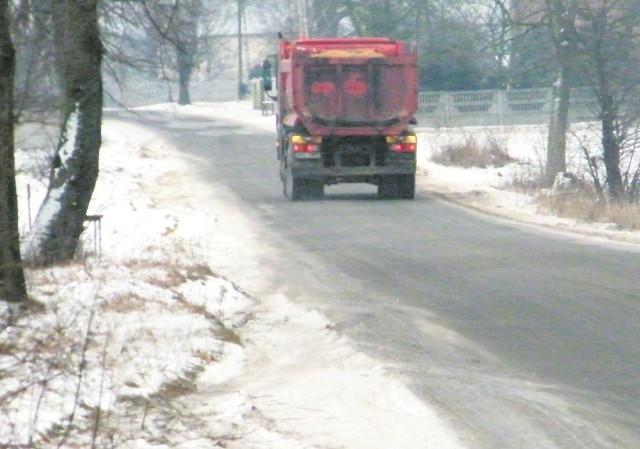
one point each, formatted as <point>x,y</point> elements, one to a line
<point>561,24</point>
<point>74,171</point>
<point>12,283</point>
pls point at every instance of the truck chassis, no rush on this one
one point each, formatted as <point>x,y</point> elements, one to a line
<point>352,159</point>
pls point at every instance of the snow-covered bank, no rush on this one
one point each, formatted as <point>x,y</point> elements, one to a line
<point>489,190</point>
<point>505,191</point>
<point>143,345</point>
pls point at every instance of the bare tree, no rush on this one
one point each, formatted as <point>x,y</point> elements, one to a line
<point>558,18</point>
<point>324,17</point>
<point>608,38</point>
<point>380,17</point>
<point>36,88</point>
<point>314,18</point>
<point>598,39</point>
<point>74,171</point>
<point>561,19</point>
<point>176,24</point>
<point>12,282</point>
<point>183,29</point>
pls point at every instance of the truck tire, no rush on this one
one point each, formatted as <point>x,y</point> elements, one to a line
<point>315,189</point>
<point>283,168</point>
<point>302,189</point>
<point>407,186</point>
<point>294,188</point>
<point>397,187</point>
<point>388,188</point>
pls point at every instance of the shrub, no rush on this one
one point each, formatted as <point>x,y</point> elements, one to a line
<point>470,154</point>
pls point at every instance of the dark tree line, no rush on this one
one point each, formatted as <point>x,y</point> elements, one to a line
<point>464,44</point>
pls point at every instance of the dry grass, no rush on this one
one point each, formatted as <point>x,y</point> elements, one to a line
<point>7,349</point>
<point>180,386</point>
<point>222,332</point>
<point>197,272</point>
<point>471,154</point>
<point>161,274</point>
<point>584,207</point>
<point>627,217</point>
<point>124,303</point>
<point>228,335</point>
<point>74,341</point>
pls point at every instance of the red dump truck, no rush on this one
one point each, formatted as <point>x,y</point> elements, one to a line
<point>345,107</point>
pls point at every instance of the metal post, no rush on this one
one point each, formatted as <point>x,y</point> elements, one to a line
<point>29,203</point>
<point>96,220</point>
<point>240,75</point>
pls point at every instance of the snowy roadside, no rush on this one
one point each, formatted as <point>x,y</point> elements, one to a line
<point>491,190</point>
<point>144,345</point>
<point>487,190</point>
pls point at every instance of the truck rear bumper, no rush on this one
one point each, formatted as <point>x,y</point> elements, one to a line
<point>315,170</point>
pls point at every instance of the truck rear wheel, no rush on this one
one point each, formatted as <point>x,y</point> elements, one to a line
<point>315,189</point>
<point>283,168</point>
<point>399,186</point>
<point>407,186</point>
<point>293,188</point>
<point>300,189</point>
<point>388,188</point>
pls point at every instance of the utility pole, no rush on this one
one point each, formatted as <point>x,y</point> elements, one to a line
<point>240,75</point>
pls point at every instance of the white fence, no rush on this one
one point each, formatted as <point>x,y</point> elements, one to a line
<point>498,107</point>
<point>485,107</point>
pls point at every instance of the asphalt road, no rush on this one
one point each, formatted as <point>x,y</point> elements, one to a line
<point>520,338</point>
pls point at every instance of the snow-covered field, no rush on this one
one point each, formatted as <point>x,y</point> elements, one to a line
<point>142,344</point>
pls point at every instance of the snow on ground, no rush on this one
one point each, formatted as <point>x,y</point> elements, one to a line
<point>505,191</point>
<point>142,345</point>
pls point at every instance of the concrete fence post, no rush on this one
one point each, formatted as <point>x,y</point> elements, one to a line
<point>503,104</point>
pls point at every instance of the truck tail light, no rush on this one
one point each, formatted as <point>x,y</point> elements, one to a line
<point>305,144</point>
<point>403,143</point>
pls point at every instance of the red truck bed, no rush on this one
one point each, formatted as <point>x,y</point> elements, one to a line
<point>349,86</point>
<point>345,107</point>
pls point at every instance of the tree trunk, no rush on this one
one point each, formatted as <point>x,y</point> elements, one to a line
<point>561,24</point>
<point>558,124</point>
<point>611,149</point>
<point>74,172</point>
<point>185,67</point>
<point>12,282</point>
